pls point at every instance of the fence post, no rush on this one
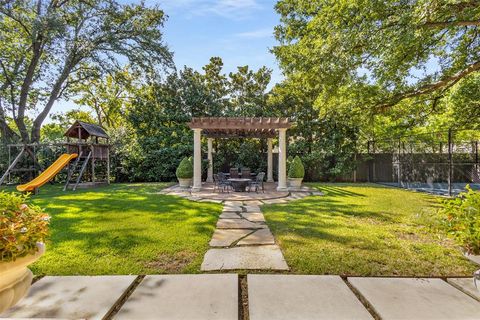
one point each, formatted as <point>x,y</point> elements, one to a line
<point>369,161</point>
<point>450,161</point>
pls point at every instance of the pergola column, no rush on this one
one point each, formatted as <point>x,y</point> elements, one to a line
<point>210,160</point>
<point>282,159</point>
<point>269,161</point>
<point>197,159</point>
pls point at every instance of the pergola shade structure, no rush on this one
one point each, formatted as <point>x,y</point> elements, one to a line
<point>222,127</point>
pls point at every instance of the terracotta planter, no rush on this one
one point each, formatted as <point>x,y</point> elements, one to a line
<point>295,182</point>
<point>185,183</point>
<point>16,278</point>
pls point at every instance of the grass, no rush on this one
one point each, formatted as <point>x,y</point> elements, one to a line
<point>365,230</point>
<point>124,229</point>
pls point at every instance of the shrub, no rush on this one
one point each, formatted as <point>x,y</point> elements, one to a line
<point>296,169</point>
<point>461,219</point>
<point>185,169</point>
<point>21,226</point>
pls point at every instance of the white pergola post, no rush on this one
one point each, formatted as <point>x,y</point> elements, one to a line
<point>269,161</point>
<point>197,160</point>
<point>282,160</point>
<point>210,160</point>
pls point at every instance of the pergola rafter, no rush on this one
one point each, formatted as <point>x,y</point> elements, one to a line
<point>240,127</point>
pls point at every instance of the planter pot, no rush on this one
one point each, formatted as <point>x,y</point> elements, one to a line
<point>16,278</point>
<point>295,182</point>
<point>185,183</point>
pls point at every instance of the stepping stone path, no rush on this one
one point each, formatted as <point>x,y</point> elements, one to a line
<point>243,240</point>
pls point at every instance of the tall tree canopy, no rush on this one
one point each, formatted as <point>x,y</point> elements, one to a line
<point>381,52</point>
<point>47,46</point>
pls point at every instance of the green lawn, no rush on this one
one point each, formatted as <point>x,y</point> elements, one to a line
<point>363,229</point>
<point>124,229</point>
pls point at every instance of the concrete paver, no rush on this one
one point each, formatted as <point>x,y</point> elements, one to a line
<point>202,296</point>
<point>71,297</point>
<point>278,297</point>
<point>466,285</point>
<point>422,298</point>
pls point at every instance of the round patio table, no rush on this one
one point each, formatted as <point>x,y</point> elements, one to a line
<point>239,184</point>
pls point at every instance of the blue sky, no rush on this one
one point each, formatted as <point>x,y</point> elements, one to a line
<point>238,31</point>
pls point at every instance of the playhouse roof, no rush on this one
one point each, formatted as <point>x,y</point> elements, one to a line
<point>86,130</point>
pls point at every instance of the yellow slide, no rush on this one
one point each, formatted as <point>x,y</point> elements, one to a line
<point>48,174</point>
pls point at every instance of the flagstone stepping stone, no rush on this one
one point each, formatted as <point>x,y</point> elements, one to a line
<point>407,298</point>
<point>305,297</point>
<point>252,208</point>
<point>232,209</point>
<point>267,257</point>
<point>466,285</point>
<point>259,237</point>
<point>238,224</point>
<point>232,203</point>
<point>253,216</point>
<point>71,297</point>
<point>230,215</point>
<point>253,203</point>
<point>226,237</point>
<point>275,201</point>
<point>202,296</point>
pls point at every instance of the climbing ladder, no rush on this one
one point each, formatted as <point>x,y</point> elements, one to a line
<point>76,171</point>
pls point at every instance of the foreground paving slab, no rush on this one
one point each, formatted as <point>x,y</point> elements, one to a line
<point>407,298</point>
<point>466,285</point>
<point>202,296</point>
<point>259,237</point>
<point>278,297</point>
<point>226,237</point>
<point>238,224</point>
<point>267,257</point>
<point>71,297</point>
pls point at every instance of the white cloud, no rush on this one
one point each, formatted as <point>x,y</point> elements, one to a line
<point>232,9</point>
<point>256,34</point>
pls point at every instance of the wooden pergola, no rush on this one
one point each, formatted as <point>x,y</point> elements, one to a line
<point>222,127</point>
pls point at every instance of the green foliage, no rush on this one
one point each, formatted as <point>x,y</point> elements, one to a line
<point>185,169</point>
<point>21,226</point>
<point>296,169</point>
<point>460,217</point>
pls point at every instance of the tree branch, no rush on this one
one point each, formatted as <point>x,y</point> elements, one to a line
<point>429,88</point>
<point>443,24</point>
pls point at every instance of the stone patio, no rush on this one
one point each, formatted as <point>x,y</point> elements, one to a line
<point>273,297</point>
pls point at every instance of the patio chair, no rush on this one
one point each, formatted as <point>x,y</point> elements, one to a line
<point>246,173</point>
<point>233,173</point>
<point>257,183</point>
<point>223,184</point>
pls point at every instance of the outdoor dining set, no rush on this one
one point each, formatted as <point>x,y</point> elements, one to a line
<point>239,181</point>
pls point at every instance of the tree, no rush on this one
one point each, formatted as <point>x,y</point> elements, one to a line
<point>47,46</point>
<point>387,46</point>
<point>108,97</point>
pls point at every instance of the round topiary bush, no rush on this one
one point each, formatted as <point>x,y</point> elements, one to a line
<point>185,169</point>
<point>296,170</point>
